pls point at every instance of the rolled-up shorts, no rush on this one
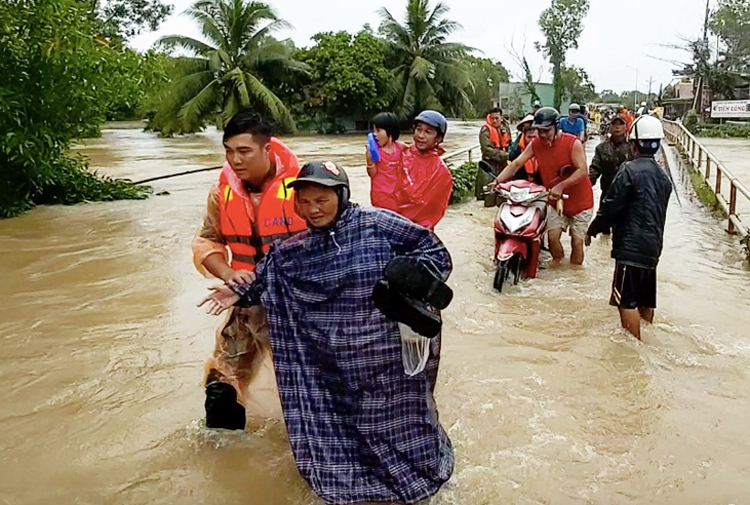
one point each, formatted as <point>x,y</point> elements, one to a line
<point>578,225</point>
<point>633,287</point>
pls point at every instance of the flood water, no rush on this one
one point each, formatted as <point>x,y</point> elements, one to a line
<point>545,399</point>
<point>732,153</point>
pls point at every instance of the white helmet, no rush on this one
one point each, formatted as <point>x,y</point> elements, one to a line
<point>646,128</point>
<point>643,104</point>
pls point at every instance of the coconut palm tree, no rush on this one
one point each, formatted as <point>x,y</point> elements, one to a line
<point>224,74</point>
<point>428,71</point>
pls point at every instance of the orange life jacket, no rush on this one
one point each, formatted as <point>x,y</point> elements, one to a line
<point>251,229</point>
<point>530,166</point>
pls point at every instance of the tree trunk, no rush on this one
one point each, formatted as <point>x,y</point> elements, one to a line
<point>557,83</point>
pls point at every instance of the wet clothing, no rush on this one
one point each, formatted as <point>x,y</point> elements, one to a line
<point>495,155</point>
<point>608,157</point>
<point>577,225</point>
<point>635,208</point>
<point>426,187</point>
<point>387,178</point>
<point>633,287</point>
<point>574,128</point>
<point>555,165</point>
<point>234,218</point>
<point>361,430</point>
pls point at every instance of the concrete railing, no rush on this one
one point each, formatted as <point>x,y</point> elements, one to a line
<point>706,164</point>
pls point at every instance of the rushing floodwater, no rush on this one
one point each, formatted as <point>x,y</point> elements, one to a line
<point>545,399</point>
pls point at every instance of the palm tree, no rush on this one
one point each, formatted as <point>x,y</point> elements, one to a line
<point>225,74</point>
<point>428,71</point>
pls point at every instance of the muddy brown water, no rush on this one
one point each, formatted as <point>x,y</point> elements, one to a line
<point>545,399</point>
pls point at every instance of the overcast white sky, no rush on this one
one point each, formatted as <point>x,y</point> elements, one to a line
<point>617,35</point>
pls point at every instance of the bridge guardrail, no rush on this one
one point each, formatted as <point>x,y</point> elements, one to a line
<point>703,161</point>
<point>468,150</point>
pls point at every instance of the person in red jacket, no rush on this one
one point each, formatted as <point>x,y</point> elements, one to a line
<point>426,182</point>
<point>385,173</point>
<point>563,169</point>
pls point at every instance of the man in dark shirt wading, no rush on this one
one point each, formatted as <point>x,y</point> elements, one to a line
<point>635,208</point>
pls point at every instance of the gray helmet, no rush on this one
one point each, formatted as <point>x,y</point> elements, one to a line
<point>434,119</point>
<point>325,173</point>
<point>574,107</point>
<point>546,117</point>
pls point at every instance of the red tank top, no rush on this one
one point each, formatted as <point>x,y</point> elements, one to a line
<point>552,159</point>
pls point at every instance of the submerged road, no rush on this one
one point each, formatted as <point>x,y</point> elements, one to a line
<point>546,400</point>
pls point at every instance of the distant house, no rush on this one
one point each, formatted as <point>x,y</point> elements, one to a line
<point>516,101</point>
<point>681,99</point>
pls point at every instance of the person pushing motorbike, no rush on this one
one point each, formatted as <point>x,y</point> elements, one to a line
<point>562,167</point>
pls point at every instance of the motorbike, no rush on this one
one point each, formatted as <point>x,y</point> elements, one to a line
<point>519,226</point>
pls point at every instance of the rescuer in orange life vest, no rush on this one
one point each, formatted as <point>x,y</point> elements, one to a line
<point>249,208</point>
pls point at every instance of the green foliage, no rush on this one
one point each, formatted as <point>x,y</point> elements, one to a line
<point>226,74</point>
<point>428,71</point>
<point>140,79</point>
<point>348,77</point>
<point>562,24</point>
<point>731,22</point>
<point>486,76</point>
<point>464,180</point>
<point>726,131</point>
<point>691,121</point>
<point>56,79</point>
<point>125,18</point>
<point>577,85</point>
<point>745,241</point>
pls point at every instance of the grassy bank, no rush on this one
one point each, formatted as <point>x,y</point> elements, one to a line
<point>725,131</point>
<point>464,180</point>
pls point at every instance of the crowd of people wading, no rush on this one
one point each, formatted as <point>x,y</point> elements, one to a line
<point>331,311</point>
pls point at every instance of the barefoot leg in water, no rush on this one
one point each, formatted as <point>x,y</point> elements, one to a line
<point>555,244</point>
<point>576,255</point>
<point>631,321</point>
<point>647,315</point>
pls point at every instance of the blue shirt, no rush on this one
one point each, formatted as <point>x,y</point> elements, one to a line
<point>575,128</point>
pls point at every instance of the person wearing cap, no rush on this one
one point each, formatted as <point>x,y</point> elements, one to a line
<point>635,209</point>
<point>248,208</point>
<point>426,182</point>
<point>563,170</point>
<point>610,154</point>
<point>361,429</point>
<point>574,124</point>
<point>525,136</point>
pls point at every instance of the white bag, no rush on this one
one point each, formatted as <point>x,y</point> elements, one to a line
<point>415,350</point>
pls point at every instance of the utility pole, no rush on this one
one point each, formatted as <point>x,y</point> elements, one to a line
<point>698,101</point>
<point>651,80</point>
<point>705,22</point>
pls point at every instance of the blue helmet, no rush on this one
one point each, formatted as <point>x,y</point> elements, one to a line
<point>434,119</point>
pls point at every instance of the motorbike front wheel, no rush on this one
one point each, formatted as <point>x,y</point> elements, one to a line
<point>501,274</point>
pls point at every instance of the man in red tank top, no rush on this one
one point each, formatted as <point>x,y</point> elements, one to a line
<point>561,159</point>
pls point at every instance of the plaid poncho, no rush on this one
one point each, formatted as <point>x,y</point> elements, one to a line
<point>360,429</point>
